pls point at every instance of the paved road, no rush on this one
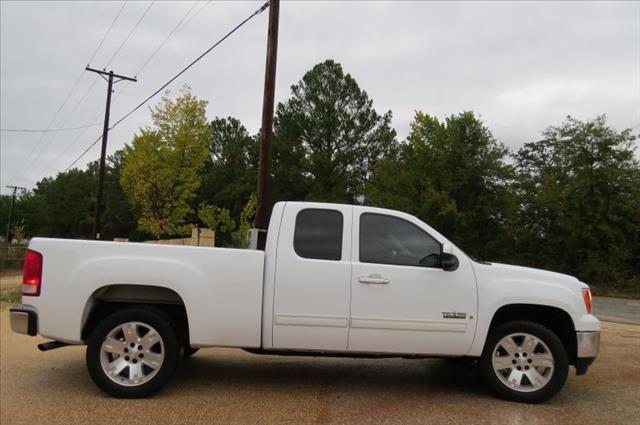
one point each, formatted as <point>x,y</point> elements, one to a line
<point>619,310</point>
<point>230,386</point>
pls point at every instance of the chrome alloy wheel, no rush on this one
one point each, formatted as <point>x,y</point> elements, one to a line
<point>522,362</point>
<point>132,353</point>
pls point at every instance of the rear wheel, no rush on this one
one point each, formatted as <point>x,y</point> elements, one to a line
<point>132,353</point>
<point>524,361</point>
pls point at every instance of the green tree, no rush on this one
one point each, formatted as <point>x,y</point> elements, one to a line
<point>61,206</point>
<point>228,234</point>
<point>580,202</point>
<point>229,174</point>
<point>118,218</point>
<point>452,175</point>
<point>162,166</point>
<point>327,138</point>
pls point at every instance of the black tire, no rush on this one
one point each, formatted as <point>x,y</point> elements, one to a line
<point>556,348</point>
<point>171,350</point>
<point>189,351</point>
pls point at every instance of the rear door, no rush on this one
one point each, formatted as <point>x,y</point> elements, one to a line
<point>313,273</point>
<point>402,300</point>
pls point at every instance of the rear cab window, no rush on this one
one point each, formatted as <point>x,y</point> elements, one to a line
<point>318,234</point>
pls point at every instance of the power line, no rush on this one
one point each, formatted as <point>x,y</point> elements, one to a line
<point>173,32</point>
<point>48,130</point>
<point>168,37</point>
<point>84,152</point>
<point>86,93</point>
<point>237,27</point>
<point>69,146</point>
<point>216,44</point>
<point>69,115</point>
<point>106,34</point>
<point>37,145</point>
<point>129,35</point>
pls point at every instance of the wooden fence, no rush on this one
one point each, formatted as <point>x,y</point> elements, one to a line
<point>199,237</point>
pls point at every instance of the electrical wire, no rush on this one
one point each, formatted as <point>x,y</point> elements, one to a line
<point>69,146</point>
<point>106,34</point>
<point>216,44</point>
<point>126,39</point>
<point>172,79</point>
<point>48,130</point>
<point>66,99</point>
<point>84,152</point>
<point>129,35</point>
<point>173,32</point>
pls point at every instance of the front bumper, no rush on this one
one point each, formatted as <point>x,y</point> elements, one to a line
<point>588,344</point>
<point>24,320</point>
<point>588,348</point>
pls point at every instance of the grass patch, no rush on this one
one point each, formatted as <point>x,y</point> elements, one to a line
<point>626,289</point>
<point>10,294</point>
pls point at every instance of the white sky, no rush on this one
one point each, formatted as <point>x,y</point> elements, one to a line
<point>520,65</point>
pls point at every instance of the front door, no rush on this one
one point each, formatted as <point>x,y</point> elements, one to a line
<point>402,300</point>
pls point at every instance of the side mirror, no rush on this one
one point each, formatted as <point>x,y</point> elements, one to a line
<point>449,262</point>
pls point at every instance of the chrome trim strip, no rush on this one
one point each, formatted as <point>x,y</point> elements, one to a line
<point>588,344</point>
<point>407,324</point>
<point>312,320</point>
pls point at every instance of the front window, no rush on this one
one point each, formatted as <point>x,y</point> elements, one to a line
<point>386,239</point>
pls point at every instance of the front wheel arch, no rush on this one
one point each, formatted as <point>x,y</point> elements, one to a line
<point>553,318</point>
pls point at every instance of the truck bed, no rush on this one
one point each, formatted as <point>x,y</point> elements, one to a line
<point>221,288</point>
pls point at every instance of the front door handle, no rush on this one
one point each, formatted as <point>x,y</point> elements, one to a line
<point>373,279</point>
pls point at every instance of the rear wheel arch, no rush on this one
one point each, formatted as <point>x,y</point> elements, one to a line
<point>553,318</point>
<point>108,299</point>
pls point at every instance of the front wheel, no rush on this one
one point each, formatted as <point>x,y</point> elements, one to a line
<point>524,361</point>
<point>189,351</point>
<point>132,353</point>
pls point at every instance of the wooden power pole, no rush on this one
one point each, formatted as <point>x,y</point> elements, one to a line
<point>13,203</point>
<point>103,153</point>
<point>266,131</point>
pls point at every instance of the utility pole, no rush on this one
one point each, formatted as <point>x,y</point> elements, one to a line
<point>105,133</point>
<point>13,203</point>
<point>266,131</point>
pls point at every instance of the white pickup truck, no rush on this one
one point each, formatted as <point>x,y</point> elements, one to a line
<point>333,280</point>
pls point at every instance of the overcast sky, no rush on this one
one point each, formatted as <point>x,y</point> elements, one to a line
<point>520,66</point>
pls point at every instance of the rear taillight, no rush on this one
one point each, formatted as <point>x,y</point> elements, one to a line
<point>32,273</point>
<point>586,296</point>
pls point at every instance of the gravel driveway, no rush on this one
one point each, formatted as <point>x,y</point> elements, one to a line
<point>230,386</point>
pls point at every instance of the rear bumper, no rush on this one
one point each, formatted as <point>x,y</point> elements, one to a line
<point>24,320</point>
<point>588,348</point>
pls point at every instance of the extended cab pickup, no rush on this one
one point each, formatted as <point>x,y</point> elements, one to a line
<point>333,279</point>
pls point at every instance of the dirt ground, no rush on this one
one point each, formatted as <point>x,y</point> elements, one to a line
<point>231,386</point>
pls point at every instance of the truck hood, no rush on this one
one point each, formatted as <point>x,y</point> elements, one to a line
<point>508,271</point>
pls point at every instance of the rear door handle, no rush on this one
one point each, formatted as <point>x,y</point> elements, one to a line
<point>373,279</point>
